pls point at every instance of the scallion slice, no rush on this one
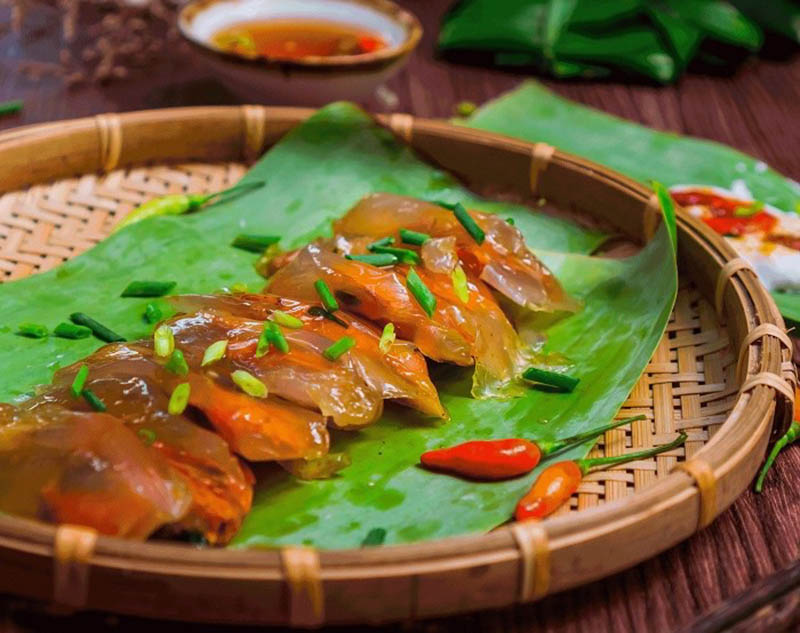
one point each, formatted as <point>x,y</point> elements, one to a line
<point>338,348</point>
<point>275,336</point>
<point>317,311</point>
<point>97,328</point>
<point>384,241</point>
<point>214,352</point>
<point>421,292</point>
<point>96,403</point>
<point>387,338</point>
<point>551,378</point>
<point>286,320</point>
<point>375,259</point>
<point>375,537</point>
<point>32,330</point>
<point>405,255</point>
<point>148,288</point>
<point>416,238</point>
<point>163,341</point>
<point>469,224</point>
<point>152,313</point>
<point>262,347</point>
<point>460,287</point>
<point>10,107</point>
<point>148,436</point>
<point>510,220</point>
<point>254,243</point>
<point>179,399</point>
<point>248,383</point>
<point>328,300</point>
<point>70,330</point>
<point>177,364</point>
<point>79,381</point>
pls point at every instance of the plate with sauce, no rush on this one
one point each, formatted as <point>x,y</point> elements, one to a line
<point>301,51</point>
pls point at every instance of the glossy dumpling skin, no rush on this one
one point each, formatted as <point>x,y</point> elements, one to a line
<point>503,261</point>
<point>134,389</point>
<point>86,469</point>
<point>377,294</point>
<point>349,389</point>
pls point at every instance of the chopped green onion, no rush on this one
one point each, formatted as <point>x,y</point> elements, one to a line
<point>317,311</point>
<point>275,336</point>
<point>97,328</point>
<point>93,400</point>
<point>32,330</point>
<point>421,292</point>
<point>460,284</point>
<point>152,313</point>
<point>214,352</point>
<point>163,341</point>
<point>551,378</point>
<point>328,300</point>
<point>376,536</point>
<point>387,338</point>
<point>510,221</point>
<point>446,205</point>
<point>469,223</point>
<point>70,330</point>
<point>179,399</point>
<point>407,236</point>
<point>248,383</point>
<point>286,320</point>
<point>239,287</point>
<point>262,347</point>
<point>384,241</point>
<point>254,243</point>
<point>375,259</point>
<point>465,108</point>
<point>80,380</point>
<point>338,348</point>
<point>177,364</point>
<point>403,254</point>
<point>10,107</point>
<point>148,288</point>
<point>148,436</point>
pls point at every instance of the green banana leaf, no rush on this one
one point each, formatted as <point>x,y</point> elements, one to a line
<point>534,113</point>
<point>312,176</point>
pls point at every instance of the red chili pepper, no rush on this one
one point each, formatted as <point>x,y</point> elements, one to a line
<point>557,483</point>
<point>501,459</point>
<point>724,219</point>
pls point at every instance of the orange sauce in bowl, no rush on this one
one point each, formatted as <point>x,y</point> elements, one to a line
<point>297,39</point>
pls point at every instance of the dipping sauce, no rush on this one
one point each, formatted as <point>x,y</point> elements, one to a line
<point>296,39</point>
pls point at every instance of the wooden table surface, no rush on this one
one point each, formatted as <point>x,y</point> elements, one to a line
<point>757,110</point>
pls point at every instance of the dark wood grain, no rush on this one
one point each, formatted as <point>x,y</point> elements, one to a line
<point>756,110</point>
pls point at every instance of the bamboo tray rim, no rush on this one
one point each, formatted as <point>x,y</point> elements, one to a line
<point>758,404</point>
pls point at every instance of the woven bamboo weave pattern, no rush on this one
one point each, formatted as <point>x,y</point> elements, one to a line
<point>688,385</point>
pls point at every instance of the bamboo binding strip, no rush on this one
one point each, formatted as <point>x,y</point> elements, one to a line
<point>534,560</point>
<point>72,552</point>
<point>761,331</point>
<point>706,483</point>
<point>731,268</point>
<point>109,131</point>
<point>541,155</point>
<point>305,599</point>
<point>255,131</point>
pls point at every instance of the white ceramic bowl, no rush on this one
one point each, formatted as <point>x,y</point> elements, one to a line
<point>309,80</point>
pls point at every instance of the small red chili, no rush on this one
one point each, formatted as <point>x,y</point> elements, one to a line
<point>557,483</point>
<point>505,458</point>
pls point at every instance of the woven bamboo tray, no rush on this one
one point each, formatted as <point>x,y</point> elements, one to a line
<point>722,373</point>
